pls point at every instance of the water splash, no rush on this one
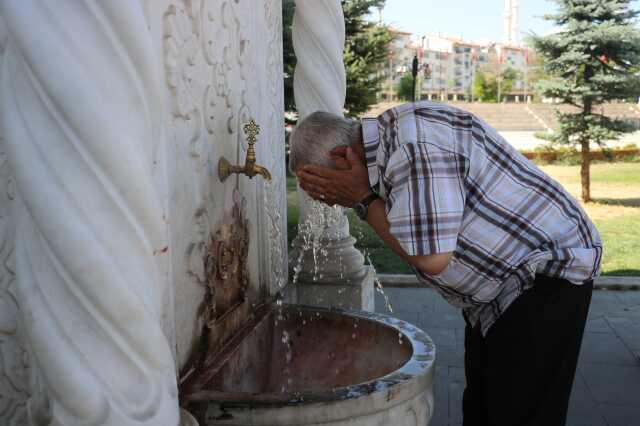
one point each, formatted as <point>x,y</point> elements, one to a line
<point>314,232</point>
<point>313,235</point>
<point>378,284</point>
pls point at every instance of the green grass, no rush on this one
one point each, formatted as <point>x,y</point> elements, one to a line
<point>621,239</point>
<point>367,241</point>
<point>625,173</point>
<point>616,212</point>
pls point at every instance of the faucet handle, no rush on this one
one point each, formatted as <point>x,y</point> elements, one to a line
<point>252,130</point>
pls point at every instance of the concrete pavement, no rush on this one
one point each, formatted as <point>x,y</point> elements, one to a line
<point>607,387</point>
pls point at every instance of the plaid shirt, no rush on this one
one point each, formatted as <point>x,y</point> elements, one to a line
<point>451,183</point>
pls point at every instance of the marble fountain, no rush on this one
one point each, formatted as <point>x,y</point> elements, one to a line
<point>299,365</point>
<point>259,361</point>
<point>144,270</point>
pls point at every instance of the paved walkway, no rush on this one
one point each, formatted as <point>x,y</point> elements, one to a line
<point>607,387</point>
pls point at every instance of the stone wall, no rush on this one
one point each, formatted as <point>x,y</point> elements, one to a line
<point>223,63</point>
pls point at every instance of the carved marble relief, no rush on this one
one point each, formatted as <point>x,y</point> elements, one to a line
<point>206,63</point>
<point>213,32</point>
<point>182,47</point>
<point>226,306</point>
<point>225,264</point>
<point>225,46</point>
<point>207,58</point>
<point>13,356</point>
<point>14,363</point>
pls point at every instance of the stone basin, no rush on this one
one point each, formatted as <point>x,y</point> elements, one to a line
<point>297,365</point>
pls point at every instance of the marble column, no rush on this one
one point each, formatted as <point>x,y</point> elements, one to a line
<point>328,271</point>
<point>80,97</point>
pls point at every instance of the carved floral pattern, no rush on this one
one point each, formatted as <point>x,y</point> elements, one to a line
<point>212,32</point>
<point>181,46</point>
<point>206,62</point>
<point>225,46</point>
<point>13,356</point>
<point>14,363</point>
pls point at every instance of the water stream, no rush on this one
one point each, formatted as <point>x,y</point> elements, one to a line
<point>322,224</point>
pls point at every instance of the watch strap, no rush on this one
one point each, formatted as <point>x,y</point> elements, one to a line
<point>369,199</point>
<point>362,208</point>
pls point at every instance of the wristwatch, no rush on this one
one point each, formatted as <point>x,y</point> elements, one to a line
<point>362,208</point>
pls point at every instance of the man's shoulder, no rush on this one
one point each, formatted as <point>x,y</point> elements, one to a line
<point>434,110</point>
<point>444,112</point>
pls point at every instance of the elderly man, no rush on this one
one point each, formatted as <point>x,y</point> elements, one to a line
<point>484,227</point>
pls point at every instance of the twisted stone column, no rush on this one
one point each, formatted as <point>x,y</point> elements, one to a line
<point>79,90</point>
<point>337,277</point>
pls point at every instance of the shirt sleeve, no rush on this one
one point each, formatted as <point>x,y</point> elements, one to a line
<point>425,198</point>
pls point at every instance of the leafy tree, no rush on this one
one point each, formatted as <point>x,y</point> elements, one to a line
<point>364,54</point>
<point>485,84</point>
<point>482,88</point>
<point>509,77</point>
<point>593,59</point>
<point>404,89</point>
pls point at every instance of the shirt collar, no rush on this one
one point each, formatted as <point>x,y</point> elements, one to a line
<point>371,141</point>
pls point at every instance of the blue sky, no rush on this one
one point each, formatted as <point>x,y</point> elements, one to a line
<point>471,19</point>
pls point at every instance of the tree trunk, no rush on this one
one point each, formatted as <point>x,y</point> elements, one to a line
<point>584,172</point>
<point>587,102</point>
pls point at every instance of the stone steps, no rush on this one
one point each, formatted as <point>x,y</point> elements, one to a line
<point>528,117</point>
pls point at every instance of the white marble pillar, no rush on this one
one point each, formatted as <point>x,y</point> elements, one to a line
<point>336,277</point>
<point>80,98</point>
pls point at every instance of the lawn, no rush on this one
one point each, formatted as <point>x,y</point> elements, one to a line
<point>615,187</point>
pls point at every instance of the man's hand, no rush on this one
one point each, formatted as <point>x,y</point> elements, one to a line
<point>346,187</point>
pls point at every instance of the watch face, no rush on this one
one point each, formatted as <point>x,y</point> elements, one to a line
<point>361,211</point>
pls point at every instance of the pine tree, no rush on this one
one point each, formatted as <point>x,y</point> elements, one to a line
<point>593,59</point>
<point>365,52</point>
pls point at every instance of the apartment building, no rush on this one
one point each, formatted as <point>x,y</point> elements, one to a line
<point>449,65</point>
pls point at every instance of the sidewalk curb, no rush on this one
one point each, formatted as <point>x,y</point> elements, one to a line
<point>601,283</point>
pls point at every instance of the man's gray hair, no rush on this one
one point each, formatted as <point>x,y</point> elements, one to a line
<point>315,136</point>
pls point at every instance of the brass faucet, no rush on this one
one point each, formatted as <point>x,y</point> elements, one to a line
<point>250,168</point>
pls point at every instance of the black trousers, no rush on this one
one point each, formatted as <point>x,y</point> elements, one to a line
<point>521,373</point>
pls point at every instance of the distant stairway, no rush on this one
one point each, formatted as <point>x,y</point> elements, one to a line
<point>529,117</point>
